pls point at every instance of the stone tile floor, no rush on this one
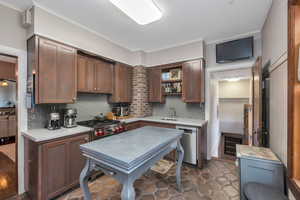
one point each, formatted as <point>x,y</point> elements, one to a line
<point>217,181</point>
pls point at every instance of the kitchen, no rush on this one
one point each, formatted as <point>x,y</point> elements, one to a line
<point>83,91</point>
<point>98,78</point>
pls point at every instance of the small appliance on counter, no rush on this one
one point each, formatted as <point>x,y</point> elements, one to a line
<point>70,115</point>
<point>54,121</point>
<point>121,111</point>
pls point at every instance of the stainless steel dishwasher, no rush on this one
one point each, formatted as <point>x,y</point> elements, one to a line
<point>189,144</point>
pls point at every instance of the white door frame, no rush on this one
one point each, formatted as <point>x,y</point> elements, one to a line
<point>208,73</point>
<point>21,106</point>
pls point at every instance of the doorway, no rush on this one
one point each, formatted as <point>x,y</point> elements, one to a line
<point>8,126</point>
<point>230,100</point>
<point>235,114</point>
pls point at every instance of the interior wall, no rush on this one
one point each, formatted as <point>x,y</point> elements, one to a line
<point>275,47</point>
<point>278,111</point>
<point>233,96</point>
<point>274,32</point>
<point>210,53</point>
<point>56,28</point>
<point>274,36</point>
<point>175,54</point>
<point>182,109</point>
<point>90,105</point>
<point>234,89</point>
<point>12,34</point>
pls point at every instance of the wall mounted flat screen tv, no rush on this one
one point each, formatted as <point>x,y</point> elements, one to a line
<point>235,50</point>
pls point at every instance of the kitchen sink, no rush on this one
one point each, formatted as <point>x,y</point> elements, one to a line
<point>169,119</point>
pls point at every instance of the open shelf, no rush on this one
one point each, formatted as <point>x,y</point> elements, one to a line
<point>173,94</point>
<point>171,81</point>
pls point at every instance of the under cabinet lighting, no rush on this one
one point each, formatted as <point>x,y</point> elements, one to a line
<point>141,11</point>
<point>233,79</point>
<point>4,83</point>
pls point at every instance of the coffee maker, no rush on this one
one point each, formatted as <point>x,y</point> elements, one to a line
<point>70,116</point>
<point>54,121</point>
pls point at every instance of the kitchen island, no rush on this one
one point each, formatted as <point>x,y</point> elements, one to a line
<point>129,155</point>
<point>177,123</point>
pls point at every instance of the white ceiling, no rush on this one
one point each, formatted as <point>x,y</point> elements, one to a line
<point>183,21</point>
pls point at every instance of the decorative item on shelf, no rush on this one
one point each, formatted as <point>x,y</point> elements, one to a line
<point>172,88</point>
<point>175,74</point>
<point>165,76</point>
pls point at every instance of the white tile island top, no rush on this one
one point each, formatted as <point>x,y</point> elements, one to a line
<point>179,121</point>
<point>43,134</point>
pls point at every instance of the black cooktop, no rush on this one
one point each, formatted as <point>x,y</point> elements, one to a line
<point>97,123</point>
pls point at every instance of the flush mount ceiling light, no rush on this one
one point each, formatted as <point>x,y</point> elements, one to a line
<point>141,11</point>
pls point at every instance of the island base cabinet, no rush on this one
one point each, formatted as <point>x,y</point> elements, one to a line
<point>53,167</point>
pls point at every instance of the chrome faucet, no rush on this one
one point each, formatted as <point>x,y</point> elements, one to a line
<point>172,112</point>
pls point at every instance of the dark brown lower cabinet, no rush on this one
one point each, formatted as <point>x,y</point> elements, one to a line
<point>53,167</point>
<point>3,126</point>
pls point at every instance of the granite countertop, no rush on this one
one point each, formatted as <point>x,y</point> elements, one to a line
<point>131,148</point>
<point>179,121</point>
<point>43,134</point>
<point>245,151</point>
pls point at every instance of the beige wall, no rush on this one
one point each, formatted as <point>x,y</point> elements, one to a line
<point>278,112</point>
<point>176,54</point>
<point>210,53</point>
<point>274,36</point>
<point>233,96</point>
<point>274,46</point>
<point>12,34</point>
<point>57,28</point>
<point>238,89</point>
<point>274,33</point>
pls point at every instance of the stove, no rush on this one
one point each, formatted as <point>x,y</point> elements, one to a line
<point>103,128</point>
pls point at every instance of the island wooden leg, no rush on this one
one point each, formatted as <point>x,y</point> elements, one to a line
<point>84,176</point>
<point>179,165</point>
<point>128,192</point>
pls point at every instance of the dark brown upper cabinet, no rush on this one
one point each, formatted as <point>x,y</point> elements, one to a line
<point>193,82</point>
<point>54,68</point>
<point>156,94</point>
<point>94,75</point>
<point>122,90</point>
<point>85,74</point>
<point>7,70</point>
<point>103,77</point>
